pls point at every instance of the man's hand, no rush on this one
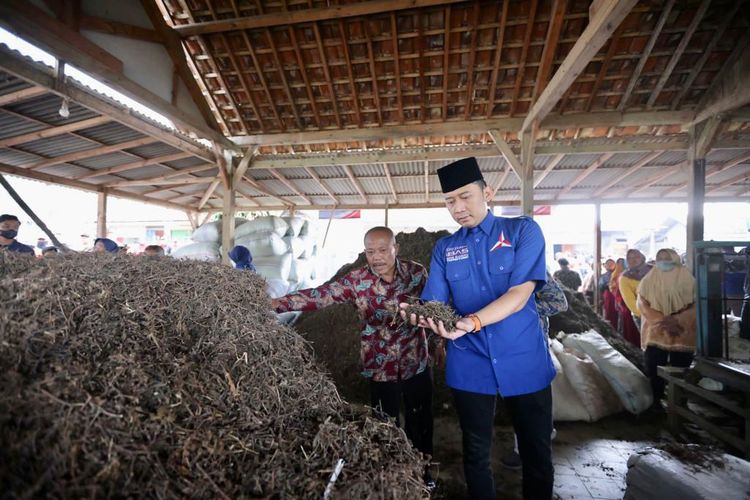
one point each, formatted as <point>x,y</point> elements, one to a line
<point>463,326</point>
<point>671,326</point>
<point>274,304</point>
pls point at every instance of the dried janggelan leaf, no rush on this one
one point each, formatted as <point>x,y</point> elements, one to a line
<point>438,311</point>
<point>124,376</point>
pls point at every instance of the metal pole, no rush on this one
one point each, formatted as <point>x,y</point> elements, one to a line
<point>330,219</point>
<point>597,254</point>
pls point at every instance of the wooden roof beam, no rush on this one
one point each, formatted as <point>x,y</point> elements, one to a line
<point>390,182</point>
<point>209,192</point>
<point>284,82</point>
<point>111,27</point>
<point>350,74</point>
<point>580,120</point>
<point>653,179</point>
<point>446,58</point>
<point>355,182</point>
<point>286,17</point>
<point>473,28</point>
<point>90,153</point>
<point>396,66</point>
<point>707,51</point>
<point>306,80</point>
<point>646,54</point>
<point>684,40</point>
<point>510,157</point>
<point>373,75</point>
<point>21,95</point>
<point>524,53</point>
<point>550,46</point>
<point>291,186</point>
<point>327,73</point>
<point>317,179</point>
<point>14,63</point>
<point>630,171</point>
<point>258,187</point>
<point>730,89</point>
<point>133,165</point>
<point>84,186</point>
<point>585,173</point>
<point>35,25</point>
<point>607,18</point>
<point>242,77</point>
<point>53,131</point>
<point>505,201</point>
<point>549,168</point>
<point>166,177</point>
<point>495,67</point>
<point>711,171</point>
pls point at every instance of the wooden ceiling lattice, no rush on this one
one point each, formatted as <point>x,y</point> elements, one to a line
<point>459,61</point>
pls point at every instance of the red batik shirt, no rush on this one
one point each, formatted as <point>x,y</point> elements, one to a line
<point>391,350</point>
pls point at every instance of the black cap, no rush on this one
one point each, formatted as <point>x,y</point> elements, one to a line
<point>458,174</point>
<point>5,217</point>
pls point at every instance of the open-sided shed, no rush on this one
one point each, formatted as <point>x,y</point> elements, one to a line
<point>308,104</point>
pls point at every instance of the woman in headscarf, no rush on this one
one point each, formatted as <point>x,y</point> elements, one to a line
<point>625,320</point>
<point>666,299</point>
<point>242,258</point>
<point>608,299</point>
<point>636,271</point>
<point>105,245</point>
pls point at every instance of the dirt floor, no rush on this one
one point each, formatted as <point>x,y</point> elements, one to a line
<point>590,459</point>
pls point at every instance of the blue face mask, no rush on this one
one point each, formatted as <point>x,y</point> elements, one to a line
<point>665,265</point>
<point>9,234</point>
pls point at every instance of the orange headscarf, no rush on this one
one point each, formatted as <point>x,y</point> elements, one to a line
<point>614,279</point>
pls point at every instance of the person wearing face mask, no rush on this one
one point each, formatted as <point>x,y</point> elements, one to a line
<point>666,299</point>
<point>394,356</point>
<point>9,225</point>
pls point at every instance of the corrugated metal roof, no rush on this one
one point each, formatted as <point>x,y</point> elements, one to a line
<point>106,161</point>
<point>54,147</point>
<point>111,133</point>
<point>46,109</point>
<point>577,161</point>
<point>11,125</point>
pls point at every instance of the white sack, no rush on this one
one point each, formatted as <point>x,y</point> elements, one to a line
<point>276,267</point>
<point>566,405</point>
<point>593,390</point>
<point>276,288</point>
<point>211,231</point>
<point>262,224</point>
<point>200,250</point>
<point>301,270</point>
<point>263,244</point>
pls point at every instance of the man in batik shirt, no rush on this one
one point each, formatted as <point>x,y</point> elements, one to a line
<point>394,355</point>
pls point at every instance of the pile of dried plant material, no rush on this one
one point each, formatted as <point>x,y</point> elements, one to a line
<point>438,311</point>
<point>697,457</point>
<point>126,376</point>
<point>581,317</point>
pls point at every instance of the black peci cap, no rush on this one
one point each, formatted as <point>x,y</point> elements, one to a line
<point>458,174</point>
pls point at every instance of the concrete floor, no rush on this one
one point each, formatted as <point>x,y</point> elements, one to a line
<point>590,458</point>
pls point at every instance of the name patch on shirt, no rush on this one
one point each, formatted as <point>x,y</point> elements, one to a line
<point>453,254</point>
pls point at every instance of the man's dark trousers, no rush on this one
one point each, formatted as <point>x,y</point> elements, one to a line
<point>532,420</point>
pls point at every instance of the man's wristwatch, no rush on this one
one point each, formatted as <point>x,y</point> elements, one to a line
<point>477,323</point>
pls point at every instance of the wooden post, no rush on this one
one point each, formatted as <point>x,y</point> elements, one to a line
<point>192,217</point>
<point>228,210</point>
<point>527,171</point>
<point>386,213</point>
<point>597,254</point>
<point>101,215</point>
<point>700,138</point>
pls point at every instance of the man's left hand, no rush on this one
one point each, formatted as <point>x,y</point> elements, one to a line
<point>463,326</point>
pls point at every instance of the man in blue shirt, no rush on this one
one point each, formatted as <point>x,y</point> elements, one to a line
<point>490,269</point>
<point>9,225</point>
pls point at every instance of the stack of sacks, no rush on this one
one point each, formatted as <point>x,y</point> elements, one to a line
<point>206,242</point>
<point>594,380</point>
<point>303,249</point>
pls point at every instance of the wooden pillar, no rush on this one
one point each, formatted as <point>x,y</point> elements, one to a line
<point>228,211</point>
<point>700,138</point>
<point>597,254</point>
<point>386,213</point>
<point>192,217</point>
<point>527,172</point>
<point>101,215</point>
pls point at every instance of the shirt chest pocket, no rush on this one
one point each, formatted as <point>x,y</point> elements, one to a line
<point>501,265</point>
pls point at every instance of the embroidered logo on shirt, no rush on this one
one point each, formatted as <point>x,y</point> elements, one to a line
<point>501,242</point>
<point>457,253</point>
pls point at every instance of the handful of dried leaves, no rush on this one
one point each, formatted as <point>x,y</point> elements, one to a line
<point>438,311</point>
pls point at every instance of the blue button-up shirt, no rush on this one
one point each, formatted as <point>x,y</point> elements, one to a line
<point>473,267</point>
